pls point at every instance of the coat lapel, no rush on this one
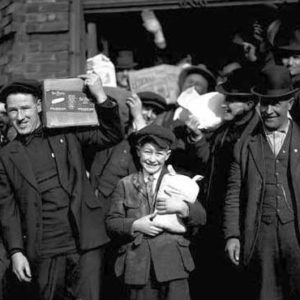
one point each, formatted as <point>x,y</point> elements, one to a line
<point>256,150</point>
<point>22,163</point>
<point>295,158</point>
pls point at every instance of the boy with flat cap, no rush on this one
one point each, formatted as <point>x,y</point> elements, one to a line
<point>261,211</point>
<point>52,223</point>
<point>152,262</point>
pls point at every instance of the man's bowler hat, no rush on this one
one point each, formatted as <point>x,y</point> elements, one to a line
<point>125,60</point>
<point>26,86</point>
<point>239,83</point>
<point>161,136</point>
<point>275,82</point>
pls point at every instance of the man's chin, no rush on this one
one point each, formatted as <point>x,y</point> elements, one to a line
<point>22,131</point>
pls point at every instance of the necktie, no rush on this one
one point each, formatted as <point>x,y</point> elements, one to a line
<point>150,186</point>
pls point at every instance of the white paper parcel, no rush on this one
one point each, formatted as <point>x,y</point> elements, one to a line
<point>173,186</point>
<point>206,108</point>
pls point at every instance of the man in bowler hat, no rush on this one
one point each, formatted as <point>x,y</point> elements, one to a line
<point>124,63</point>
<point>261,212</point>
<point>212,153</point>
<point>51,222</point>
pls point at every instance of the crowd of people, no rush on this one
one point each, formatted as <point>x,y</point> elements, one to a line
<point>119,222</point>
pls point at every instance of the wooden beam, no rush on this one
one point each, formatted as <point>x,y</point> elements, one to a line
<point>112,6</point>
<point>92,49</point>
<point>77,39</point>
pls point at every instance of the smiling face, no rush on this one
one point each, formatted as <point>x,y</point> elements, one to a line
<point>275,113</point>
<point>234,108</point>
<point>23,112</point>
<point>152,157</point>
<point>292,63</point>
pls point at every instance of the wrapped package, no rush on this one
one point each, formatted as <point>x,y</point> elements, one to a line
<point>206,108</point>
<point>176,185</point>
<point>102,65</point>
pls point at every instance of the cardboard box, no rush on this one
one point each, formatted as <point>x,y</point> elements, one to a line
<point>162,79</point>
<point>65,104</point>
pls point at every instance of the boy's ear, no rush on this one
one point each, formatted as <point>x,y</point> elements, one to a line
<point>168,154</point>
<point>39,105</point>
<point>138,150</point>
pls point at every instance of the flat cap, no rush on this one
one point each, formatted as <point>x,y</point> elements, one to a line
<point>154,100</point>
<point>161,136</point>
<point>27,86</point>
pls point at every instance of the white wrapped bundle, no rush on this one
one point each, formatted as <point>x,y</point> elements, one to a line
<point>206,108</point>
<point>102,65</point>
<point>178,186</point>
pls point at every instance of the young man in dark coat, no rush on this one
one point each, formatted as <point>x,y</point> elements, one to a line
<point>212,155</point>
<point>52,223</point>
<point>261,212</point>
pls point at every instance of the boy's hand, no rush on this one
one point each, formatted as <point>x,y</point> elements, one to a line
<point>146,225</point>
<point>172,203</point>
<point>193,125</point>
<point>135,106</point>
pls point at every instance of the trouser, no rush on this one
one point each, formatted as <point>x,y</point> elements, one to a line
<point>276,262</point>
<point>64,277</point>
<point>177,289</point>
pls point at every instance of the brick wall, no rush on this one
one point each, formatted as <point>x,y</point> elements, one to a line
<point>34,39</point>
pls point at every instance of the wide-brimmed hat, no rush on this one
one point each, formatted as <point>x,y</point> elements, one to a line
<point>292,45</point>
<point>239,83</point>
<point>275,82</point>
<point>26,86</point>
<point>125,60</point>
<point>161,136</point>
<point>200,69</point>
<point>154,100</point>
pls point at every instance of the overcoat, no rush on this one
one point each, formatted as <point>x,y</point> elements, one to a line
<point>20,199</point>
<point>246,185</point>
<point>169,253</point>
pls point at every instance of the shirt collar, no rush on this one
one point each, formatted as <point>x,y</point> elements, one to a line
<point>27,138</point>
<point>282,130</point>
<point>155,176</point>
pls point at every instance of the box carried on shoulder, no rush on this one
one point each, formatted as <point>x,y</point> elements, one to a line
<point>65,104</point>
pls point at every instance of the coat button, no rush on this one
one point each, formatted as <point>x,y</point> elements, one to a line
<point>295,150</point>
<point>52,155</point>
<point>61,141</point>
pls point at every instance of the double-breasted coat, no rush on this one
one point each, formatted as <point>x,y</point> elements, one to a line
<point>246,184</point>
<point>20,199</point>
